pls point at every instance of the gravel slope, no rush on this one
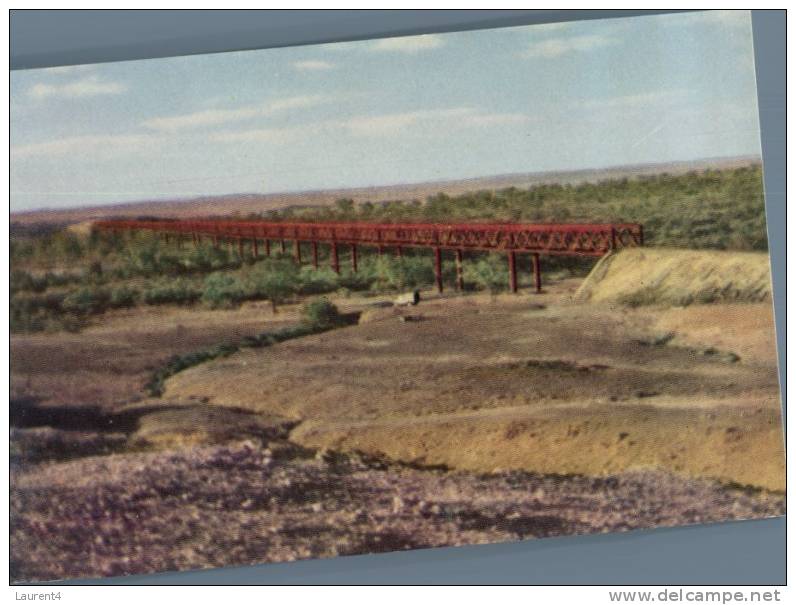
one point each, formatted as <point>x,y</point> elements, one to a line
<point>244,503</point>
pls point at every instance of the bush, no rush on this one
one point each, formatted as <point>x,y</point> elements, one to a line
<point>176,292</point>
<point>275,280</point>
<point>86,301</point>
<point>317,281</point>
<point>487,275</point>
<point>207,258</point>
<point>222,290</point>
<point>123,297</point>
<point>320,314</point>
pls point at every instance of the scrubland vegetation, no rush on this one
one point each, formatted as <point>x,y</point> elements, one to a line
<point>59,279</point>
<point>719,209</point>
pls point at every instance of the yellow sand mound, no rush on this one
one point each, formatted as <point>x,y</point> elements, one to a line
<point>661,276</point>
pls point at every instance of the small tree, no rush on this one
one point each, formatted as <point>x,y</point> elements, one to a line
<point>275,280</point>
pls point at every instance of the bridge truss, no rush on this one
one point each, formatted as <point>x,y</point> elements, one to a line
<point>509,238</point>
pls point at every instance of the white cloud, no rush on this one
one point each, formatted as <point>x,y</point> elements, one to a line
<point>555,47</point>
<point>313,65</point>
<point>213,117</point>
<point>396,123</point>
<point>496,119</point>
<point>384,125</point>
<point>644,99</point>
<point>261,135</point>
<point>90,86</point>
<point>409,44</point>
<point>86,144</point>
<point>725,18</point>
<point>452,118</point>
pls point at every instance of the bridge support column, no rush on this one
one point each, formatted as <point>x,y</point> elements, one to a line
<point>166,237</point>
<point>255,251</point>
<point>335,258</point>
<point>459,273</point>
<point>282,244</point>
<point>267,247</point>
<point>537,272</point>
<point>240,247</point>
<point>297,251</point>
<point>512,271</point>
<point>315,254</point>
<point>354,258</point>
<point>399,252</point>
<point>215,241</point>
<point>438,268</point>
<point>195,239</point>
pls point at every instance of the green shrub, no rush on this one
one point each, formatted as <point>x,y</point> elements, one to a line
<point>486,274</point>
<point>320,314</point>
<point>20,281</point>
<point>86,301</point>
<point>222,290</point>
<point>123,297</point>
<point>173,292</point>
<point>178,363</point>
<point>317,281</point>
<point>275,280</point>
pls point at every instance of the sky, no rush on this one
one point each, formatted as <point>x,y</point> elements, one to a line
<point>560,96</point>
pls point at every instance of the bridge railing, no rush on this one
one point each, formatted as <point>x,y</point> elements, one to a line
<point>586,239</point>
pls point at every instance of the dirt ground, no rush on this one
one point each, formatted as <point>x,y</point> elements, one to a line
<point>530,383</point>
<point>474,419</point>
<point>109,362</point>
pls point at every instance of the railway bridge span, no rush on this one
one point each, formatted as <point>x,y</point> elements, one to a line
<point>511,239</point>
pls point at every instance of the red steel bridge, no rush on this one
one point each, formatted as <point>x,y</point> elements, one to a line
<point>509,238</point>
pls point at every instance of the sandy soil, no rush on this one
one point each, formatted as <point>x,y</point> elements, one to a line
<point>527,383</point>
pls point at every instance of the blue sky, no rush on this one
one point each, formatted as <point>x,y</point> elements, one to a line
<point>525,99</point>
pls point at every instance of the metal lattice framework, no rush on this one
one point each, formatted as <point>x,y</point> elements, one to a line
<point>558,239</point>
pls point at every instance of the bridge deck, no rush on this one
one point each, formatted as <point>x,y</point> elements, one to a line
<point>512,238</point>
<point>585,239</point>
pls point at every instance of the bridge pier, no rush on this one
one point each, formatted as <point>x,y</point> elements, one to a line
<point>267,247</point>
<point>537,272</point>
<point>399,252</point>
<point>438,268</point>
<point>315,254</point>
<point>459,272</point>
<point>335,257</point>
<point>240,247</point>
<point>354,258</point>
<point>512,256</point>
<point>255,251</point>
<point>297,251</point>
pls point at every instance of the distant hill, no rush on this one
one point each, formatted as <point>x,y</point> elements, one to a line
<point>246,203</point>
